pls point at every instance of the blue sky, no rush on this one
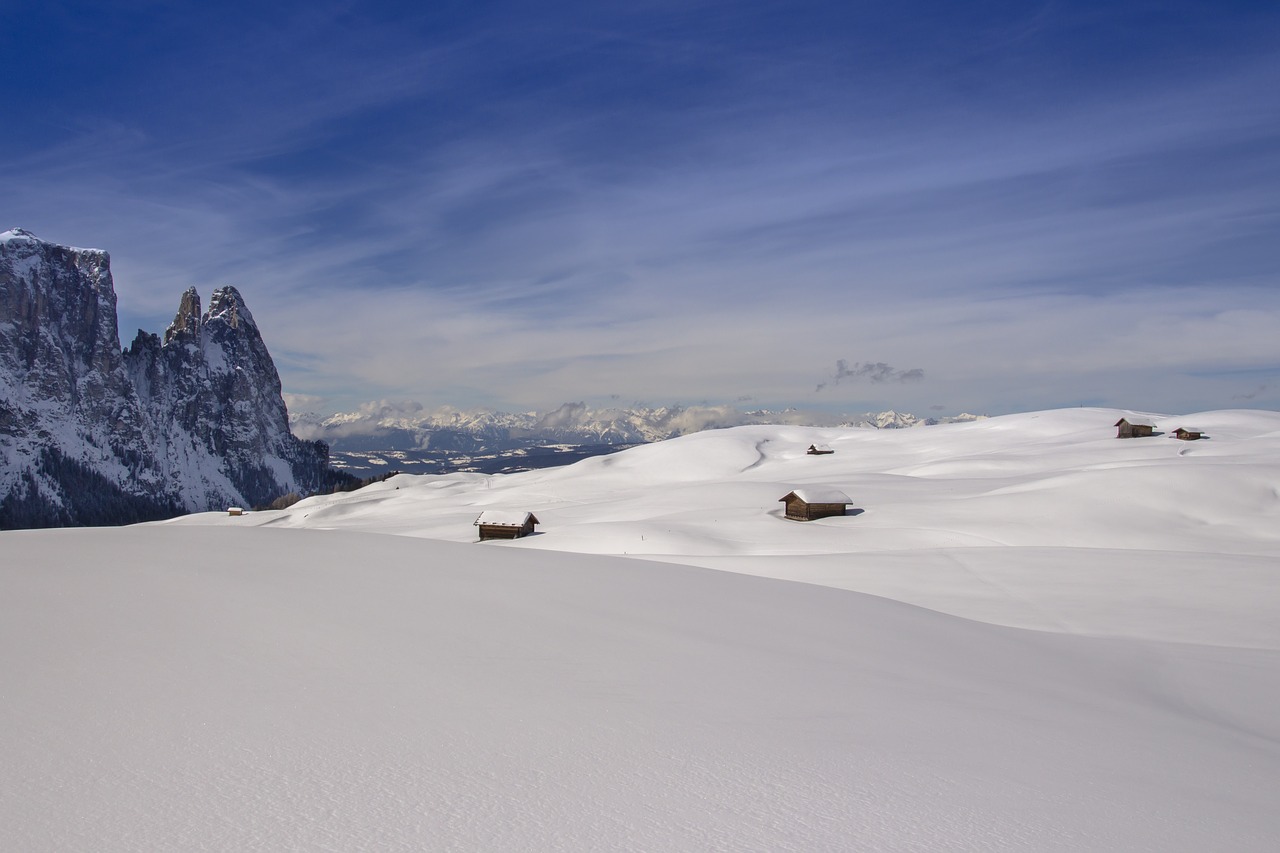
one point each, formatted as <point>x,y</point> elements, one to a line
<point>934,206</point>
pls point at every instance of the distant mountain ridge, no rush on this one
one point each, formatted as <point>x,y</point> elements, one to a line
<point>90,434</point>
<point>389,426</point>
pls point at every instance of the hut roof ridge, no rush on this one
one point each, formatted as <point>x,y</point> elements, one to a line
<point>819,495</point>
<point>505,518</point>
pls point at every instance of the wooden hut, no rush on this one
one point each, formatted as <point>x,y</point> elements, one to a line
<point>819,450</point>
<point>234,510</point>
<point>500,524</point>
<point>1134,428</point>
<point>811,503</point>
<point>1187,434</point>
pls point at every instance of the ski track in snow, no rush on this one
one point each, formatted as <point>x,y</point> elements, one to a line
<point>1033,637</point>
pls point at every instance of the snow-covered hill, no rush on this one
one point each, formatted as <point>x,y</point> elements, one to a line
<point>302,680</point>
<point>1093,518</point>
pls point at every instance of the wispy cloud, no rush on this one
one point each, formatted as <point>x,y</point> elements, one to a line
<point>876,372</point>
<point>303,402</point>
<point>675,203</point>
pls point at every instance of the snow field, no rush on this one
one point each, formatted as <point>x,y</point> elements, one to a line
<point>1149,537</point>
<point>207,689</point>
<point>1070,643</point>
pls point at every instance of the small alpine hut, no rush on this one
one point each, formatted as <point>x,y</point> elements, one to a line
<point>1133,428</point>
<point>819,449</point>
<point>812,503</point>
<point>1188,434</point>
<point>235,510</point>
<point>501,524</point>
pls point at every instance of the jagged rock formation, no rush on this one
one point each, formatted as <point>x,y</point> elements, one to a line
<point>93,435</point>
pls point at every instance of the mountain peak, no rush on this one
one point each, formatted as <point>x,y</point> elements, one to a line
<point>21,237</point>
<point>92,434</point>
<point>188,317</point>
<point>226,304</point>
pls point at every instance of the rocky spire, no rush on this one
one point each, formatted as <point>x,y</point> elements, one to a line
<point>188,317</point>
<point>92,435</point>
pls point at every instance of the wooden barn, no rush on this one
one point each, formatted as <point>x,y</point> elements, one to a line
<point>1134,428</point>
<point>501,524</point>
<point>819,449</point>
<point>811,503</point>
<point>1187,434</point>
<point>235,510</point>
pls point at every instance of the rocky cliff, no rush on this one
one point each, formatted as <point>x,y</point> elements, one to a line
<point>93,435</point>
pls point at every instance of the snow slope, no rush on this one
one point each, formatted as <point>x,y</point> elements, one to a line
<point>256,683</point>
<point>1151,538</point>
<point>209,689</point>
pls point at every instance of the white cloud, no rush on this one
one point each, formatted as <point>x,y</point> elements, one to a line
<point>523,253</point>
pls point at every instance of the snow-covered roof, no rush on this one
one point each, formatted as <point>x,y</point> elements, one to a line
<point>1135,421</point>
<point>505,518</point>
<point>1189,429</point>
<point>820,447</point>
<point>819,495</point>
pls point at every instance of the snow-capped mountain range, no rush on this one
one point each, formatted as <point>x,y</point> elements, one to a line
<point>408,426</point>
<point>190,420</point>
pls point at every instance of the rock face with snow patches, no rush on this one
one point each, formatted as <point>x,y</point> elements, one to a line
<point>91,435</point>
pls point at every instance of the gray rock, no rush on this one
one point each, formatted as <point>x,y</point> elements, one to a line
<point>195,421</point>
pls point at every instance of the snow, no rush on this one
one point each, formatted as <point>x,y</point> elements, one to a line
<point>23,268</point>
<point>22,235</point>
<point>1033,636</point>
<point>817,495</point>
<point>504,518</point>
<point>17,234</point>
<point>215,357</point>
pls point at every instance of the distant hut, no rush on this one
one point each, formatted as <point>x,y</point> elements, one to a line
<point>234,510</point>
<point>819,449</point>
<point>1187,434</point>
<point>499,524</point>
<point>1134,428</point>
<point>809,504</point>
